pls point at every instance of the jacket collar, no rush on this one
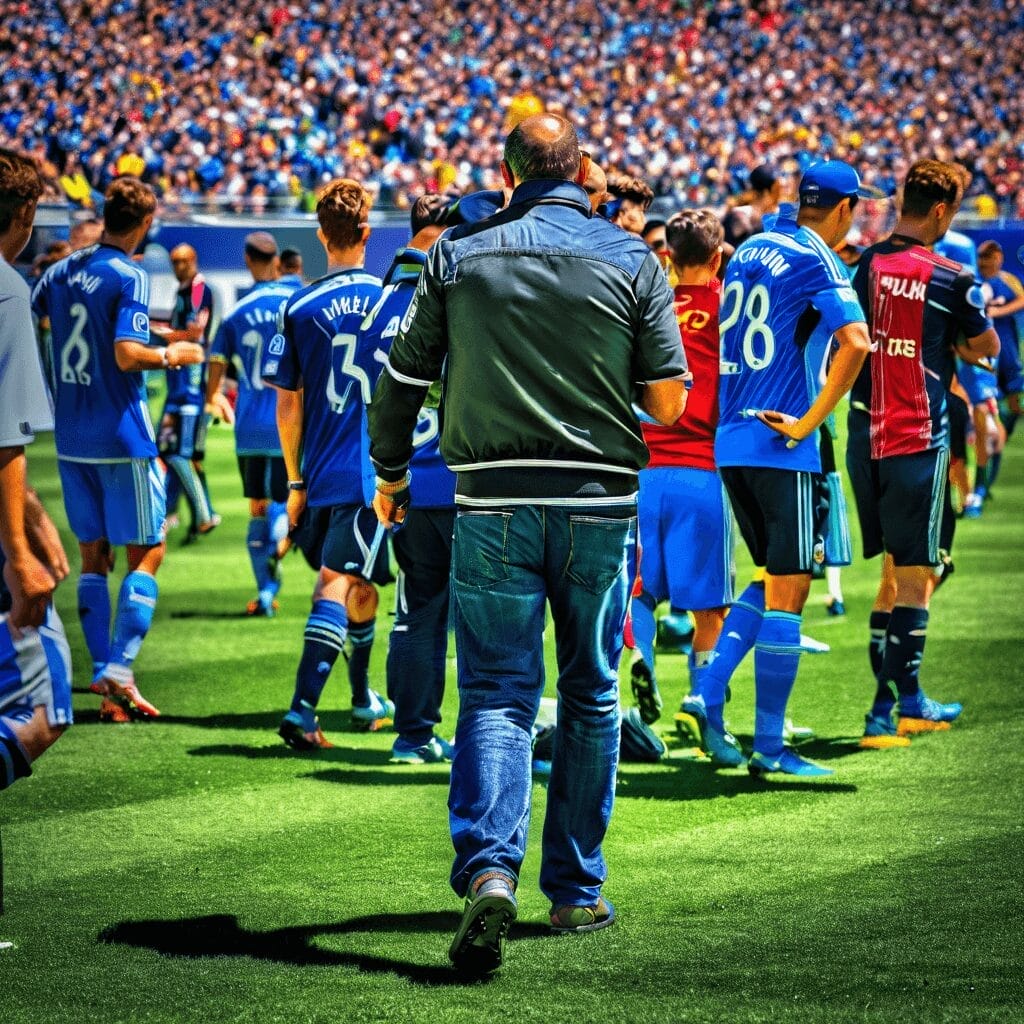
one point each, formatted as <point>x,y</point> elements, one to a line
<point>551,190</point>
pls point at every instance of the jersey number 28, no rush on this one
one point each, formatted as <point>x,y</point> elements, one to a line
<point>758,341</point>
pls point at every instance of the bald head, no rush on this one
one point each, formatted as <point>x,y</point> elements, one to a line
<point>183,262</point>
<point>543,146</point>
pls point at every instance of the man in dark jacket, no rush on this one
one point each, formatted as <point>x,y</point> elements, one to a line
<point>544,324</point>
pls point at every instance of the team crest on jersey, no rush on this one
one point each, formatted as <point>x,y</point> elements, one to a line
<point>392,328</point>
<point>276,346</point>
<point>976,297</point>
<point>271,367</point>
<point>140,323</point>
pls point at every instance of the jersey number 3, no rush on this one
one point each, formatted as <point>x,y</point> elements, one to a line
<point>348,368</point>
<point>758,342</point>
<point>74,356</point>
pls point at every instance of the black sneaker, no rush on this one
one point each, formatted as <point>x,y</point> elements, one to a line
<point>477,948</point>
<point>645,689</point>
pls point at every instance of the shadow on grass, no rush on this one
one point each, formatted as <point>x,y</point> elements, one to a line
<point>397,775</point>
<point>192,613</point>
<point>279,752</point>
<point>694,781</point>
<point>219,935</point>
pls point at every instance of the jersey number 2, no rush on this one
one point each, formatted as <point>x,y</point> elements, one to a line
<point>74,356</point>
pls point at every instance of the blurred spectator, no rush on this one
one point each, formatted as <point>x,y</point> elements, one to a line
<point>216,103</point>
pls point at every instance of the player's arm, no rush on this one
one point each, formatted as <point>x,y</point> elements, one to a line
<point>854,346</point>
<point>217,404</point>
<point>1007,308</point>
<point>30,583</point>
<point>660,358</point>
<point>981,343</point>
<point>132,356</point>
<point>290,431</point>
<point>44,538</point>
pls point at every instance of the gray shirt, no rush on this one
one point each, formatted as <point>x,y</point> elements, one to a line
<point>25,406</point>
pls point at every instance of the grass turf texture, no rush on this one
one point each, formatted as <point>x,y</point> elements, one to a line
<point>195,869</point>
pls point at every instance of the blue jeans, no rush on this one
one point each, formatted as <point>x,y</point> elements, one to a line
<point>507,563</point>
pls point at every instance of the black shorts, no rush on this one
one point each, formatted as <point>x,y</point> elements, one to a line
<point>781,514</point>
<point>347,539</point>
<point>899,503</point>
<point>423,550</point>
<point>183,434</point>
<point>263,476</point>
<point>959,422</point>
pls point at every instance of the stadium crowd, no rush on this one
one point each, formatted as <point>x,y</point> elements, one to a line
<point>255,106</point>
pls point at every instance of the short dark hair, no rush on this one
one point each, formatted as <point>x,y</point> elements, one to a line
<point>531,153</point>
<point>343,212</point>
<point>929,182</point>
<point>20,184</point>
<point>126,204</point>
<point>622,186</point>
<point>427,210</point>
<point>290,259</point>
<point>989,248</point>
<point>693,237</point>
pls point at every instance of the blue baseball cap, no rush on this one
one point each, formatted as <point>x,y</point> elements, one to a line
<point>829,182</point>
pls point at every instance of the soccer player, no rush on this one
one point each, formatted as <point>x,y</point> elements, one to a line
<point>35,663</point>
<point>243,337</point>
<point>684,517</point>
<point>418,646</point>
<point>97,300</point>
<point>324,378</point>
<point>290,266</point>
<point>779,287</point>
<point>918,305</point>
<point>182,438</point>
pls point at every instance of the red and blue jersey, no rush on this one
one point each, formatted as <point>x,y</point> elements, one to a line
<point>433,483</point>
<point>243,336</point>
<point>690,441</point>
<point>94,298</point>
<point>918,305</point>
<point>318,349</point>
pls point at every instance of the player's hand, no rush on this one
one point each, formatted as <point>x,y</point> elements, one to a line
<point>784,424</point>
<point>296,506</point>
<point>220,408</point>
<point>43,538</point>
<point>184,353</point>
<point>31,587</point>
<point>391,513</point>
<point>968,355</point>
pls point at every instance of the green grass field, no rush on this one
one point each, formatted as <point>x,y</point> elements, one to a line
<point>194,869</point>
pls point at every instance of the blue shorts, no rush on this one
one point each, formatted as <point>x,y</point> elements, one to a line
<point>184,433</point>
<point>35,671</point>
<point>347,539</point>
<point>899,503</point>
<point>122,502</point>
<point>685,526</point>
<point>1009,369</point>
<point>980,385</point>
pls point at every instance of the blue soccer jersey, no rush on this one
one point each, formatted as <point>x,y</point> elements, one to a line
<point>242,338</point>
<point>780,287</point>
<point>94,298</point>
<point>318,349</point>
<point>433,483</point>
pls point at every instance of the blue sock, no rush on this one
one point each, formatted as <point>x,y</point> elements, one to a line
<point>738,635</point>
<point>776,660</point>
<point>94,614</point>
<point>277,521</point>
<point>324,639</point>
<point>885,698</point>
<point>257,540</point>
<point>14,761</point>
<point>361,634</point>
<point>644,627</point>
<point>136,603</point>
<point>698,663</point>
<point>172,489</point>
<point>994,463</point>
<point>904,648</point>
<point>981,479</point>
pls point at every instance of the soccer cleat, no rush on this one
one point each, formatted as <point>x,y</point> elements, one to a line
<point>645,689</point>
<point>434,751</point>
<point>128,696</point>
<point>693,726</point>
<point>478,946</point>
<point>796,733</point>
<point>922,714</point>
<point>259,609</point>
<point>570,920</point>
<point>973,507</point>
<point>811,646</point>
<point>375,716</point>
<point>299,738</point>
<point>835,608</point>
<point>787,763</point>
<point>880,733</point>
<point>111,711</point>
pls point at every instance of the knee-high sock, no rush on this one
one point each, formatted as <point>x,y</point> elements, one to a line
<point>94,614</point>
<point>644,627</point>
<point>277,521</point>
<point>361,634</point>
<point>776,661</point>
<point>885,698</point>
<point>739,633</point>
<point>173,489</point>
<point>136,603</point>
<point>324,640</point>
<point>904,649</point>
<point>833,573</point>
<point>14,761</point>
<point>192,487</point>
<point>257,540</point>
